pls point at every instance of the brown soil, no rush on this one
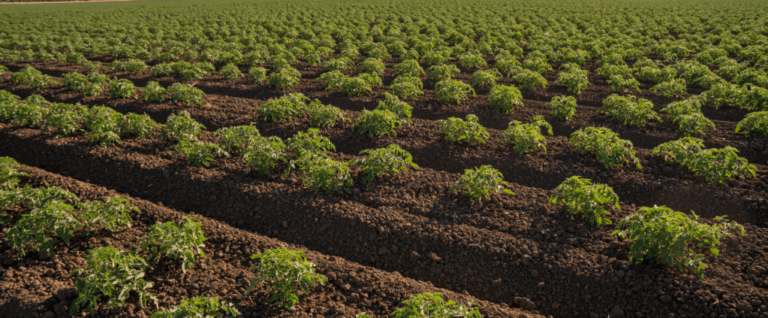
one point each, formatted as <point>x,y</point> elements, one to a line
<point>514,246</point>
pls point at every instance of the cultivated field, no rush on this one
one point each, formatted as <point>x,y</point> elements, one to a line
<point>524,159</point>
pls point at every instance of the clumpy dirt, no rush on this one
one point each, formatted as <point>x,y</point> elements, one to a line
<point>513,251</point>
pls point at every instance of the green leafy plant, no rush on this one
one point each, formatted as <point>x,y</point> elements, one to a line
<point>407,87</point>
<point>113,274</point>
<point>283,79</point>
<point>163,70</point>
<point>373,66</point>
<point>663,236</point>
<point>623,83</point>
<point>182,126</point>
<point>121,89</point>
<point>175,242</point>
<point>284,108</point>
<point>472,60</point>
<point>138,125</point>
<point>537,64</point>
<point>575,80</point>
<point>563,107</point>
<point>186,94</point>
<point>440,73</point>
<point>321,173</point>
<point>309,141</point>
<point>611,150</point>
<point>685,107</point>
<point>629,110</point>
<point>153,93</point>
<point>237,138</point>
<point>679,151</point>
<point>134,66</point>
<point>258,74</point>
<point>694,124</point>
<point>64,119</point>
<point>478,183</point>
<point>103,125</point>
<point>482,78</point>
<point>32,77</point>
<point>355,86</point>
<point>755,123</point>
<point>75,82</point>
<point>263,155</point>
<point>456,129</point>
<point>526,137</point>
<point>376,123</point>
<point>529,79</point>
<point>582,197</point>
<point>715,165</point>
<point>384,161</point>
<point>198,153</point>
<point>432,305</point>
<point>338,64</point>
<point>38,229</point>
<point>671,88</point>
<point>9,173</point>
<point>396,106</point>
<point>230,72</point>
<point>324,115</point>
<point>287,272</point>
<point>204,307</point>
<point>452,91</point>
<point>409,68</point>
<point>332,79</point>
<point>504,98</point>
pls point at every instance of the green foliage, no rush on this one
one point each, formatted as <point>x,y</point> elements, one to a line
<point>754,99</point>
<point>64,119</point>
<point>537,64</point>
<point>529,79</point>
<point>611,150</point>
<point>263,155</point>
<point>286,271</point>
<point>671,88</point>
<point>237,138</point>
<point>321,173</point>
<point>284,108</point>
<point>484,78</point>
<point>3,69</point>
<point>103,123</point>
<point>373,66</point>
<point>324,115</point>
<point>472,60</point>
<point>355,86</point>
<point>407,87</point>
<point>175,242</point>
<point>724,94</point>
<point>258,74</point>
<point>376,123</point>
<point>338,64</point>
<point>309,141</point>
<point>563,107</point>
<point>694,124</point>
<point>153,93</point>
<point>182,126</point>
<point>621,83</point>
<point>163,70</point>
<point>138,125</point>
<point>574,80</point>
<point>629,110</point>
<point>121,89</point>
<point>663,236</point>
<point>432,305</point>
<point>526,137</point>
<point>204,307</point>
<point>198,153</point>
<point>396,106</point>
<point>583,197</point>
<point>134,66</point>
<point>384,161</point>
<point>755,123</point>
<point>452,91</point>
<point>440,73</point>
<point>409,68</point>
<point>113,274</point>
<point>283,79</point>
<point>685,107</point>
<point>75,82</point>
<point>715,165</point>
<point>32,77</point>
<point>504,98</point>
<point>478,183</point>
<point>9,174</point>
<point>230,72</point>
<point>456,130</point>
<point>186,94</point>
<point>332,79</point>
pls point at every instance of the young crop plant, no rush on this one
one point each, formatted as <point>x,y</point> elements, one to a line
<point>64,119</point>
<point>182,126</point>
<point>629,110</point>
<point>3,70</point>
<point>103,125</point>
<point>621,83</point>
<point>679,151</point>
<point>694,124</point>
<point>407,87</point>
<point>664,236</point>
<point>396,106</point>
<point>580,196</point>
<point>715,165</point>
<point>175,242</point>
<point>134,66</point>
<point>9,174</point>
<point>724,94</point>
<point>332,79</point>
<point>440,73</point>
<point>153,93</point>
<point>121,89</point>
<point>754,98</point>
<point>200,306</point>
<point>29,114</point>
<point>478,183</point>
<point>283,108</point>
<point>409,68</point>
<point>456,130</point>
<point>237,138</point>
<point>324,115</point>
<point>309,141</point>
<point>338,64</point>
<point>472,60</point>
<point>527,138</point>
<point>504,98</point>
<point>384,161</point>
<point>373,66</point>
<point>33,78</point>
<point>685,107</point>
<point>355,86</point>
<point>112,274</point>
<point>38,229</point>
<point>186,94</point>
<point>574,80</point>
<point>75,82</point>
<point>321,173</point>
<point>198,153</point>
<point>538,65</point>
<point>483,78</point>
<point>563,107</point>
<point>263,155</point>
<point>529,79</point>
<point>432,305</point>
<point>755,123</point>
<point>283,79</point>
<point>258,74</point>
<point>230,72</point>
<point>671,89</point>
<point>163,70</point>
<point>376,123</point>
<point>611,150</point>
<point>436,57</point>
<point>286,271</point>
<point>138,125</point>
<point>453,91</point>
